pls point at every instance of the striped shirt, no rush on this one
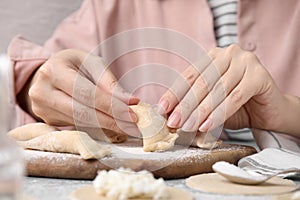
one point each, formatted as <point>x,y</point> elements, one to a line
<point>225,21</point>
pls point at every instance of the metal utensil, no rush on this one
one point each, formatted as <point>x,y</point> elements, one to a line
<point>238,175</point>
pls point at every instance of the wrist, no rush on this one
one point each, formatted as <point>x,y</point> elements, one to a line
<point>290,116</point>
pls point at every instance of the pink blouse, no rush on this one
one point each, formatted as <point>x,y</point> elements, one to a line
<point>269,28</point>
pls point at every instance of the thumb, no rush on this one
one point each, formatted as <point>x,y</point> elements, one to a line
<point>110,84</point>
<point>99,73</point>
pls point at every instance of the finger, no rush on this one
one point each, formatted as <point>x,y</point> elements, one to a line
<point>129,128</point>
<point>241,94</point>
<point>39,103</point>
<point>86,116</point>
<point>207,140</point>
<point>96,68</point>
<point>103,101</point>
<point>86,93</point>
<point>179,88</point>
<point>46,108</point>
<point>61,109</point>
<point>182,84</point>
<point>109,83</point>
<point>199,91</point>
<point>53,117</point>
<point>217,94</point>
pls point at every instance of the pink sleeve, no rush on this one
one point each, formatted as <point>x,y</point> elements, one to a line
<point>78,31</point>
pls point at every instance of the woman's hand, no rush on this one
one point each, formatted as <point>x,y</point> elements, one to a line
<point>75,88</point>
<point>232,88</point>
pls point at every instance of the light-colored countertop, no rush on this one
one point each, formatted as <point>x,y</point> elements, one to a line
<point>60,189</point>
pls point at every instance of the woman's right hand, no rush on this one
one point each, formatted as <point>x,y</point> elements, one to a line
<point>75,88</point>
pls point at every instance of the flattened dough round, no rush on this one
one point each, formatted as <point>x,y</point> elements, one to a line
<point>89,193</point>
<point>214,183</point>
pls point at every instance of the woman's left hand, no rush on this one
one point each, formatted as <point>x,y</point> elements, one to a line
<point>233,88</point>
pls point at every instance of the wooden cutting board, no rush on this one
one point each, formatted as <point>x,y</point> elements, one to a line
<point>179,162</point>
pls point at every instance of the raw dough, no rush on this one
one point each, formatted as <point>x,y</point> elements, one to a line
<point>75,142</point>
<point>105,135</point>
<point>33,130</point>
<point>30,131</point>
<point>155,133</point>
<point>214,183</point>
<point>201,140</point>
<point>206,141</point>
<point>89,192</point>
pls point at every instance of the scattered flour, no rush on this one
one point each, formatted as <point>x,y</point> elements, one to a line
<point>33,155</point>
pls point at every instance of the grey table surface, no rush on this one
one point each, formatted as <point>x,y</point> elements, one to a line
<point>60,189</point>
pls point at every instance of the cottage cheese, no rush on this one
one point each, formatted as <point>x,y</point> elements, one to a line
<point>123,184</point>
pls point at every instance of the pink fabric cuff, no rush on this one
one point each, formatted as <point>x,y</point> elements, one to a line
<point>25,58</point>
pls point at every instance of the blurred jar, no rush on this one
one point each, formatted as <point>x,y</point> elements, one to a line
<point>11,162</point>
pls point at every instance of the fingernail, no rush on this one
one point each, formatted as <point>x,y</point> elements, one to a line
<point>189,125</point>
<point>206,125</point>
<point>159,109</point>
<point>174,120</point>
<point>163,106</point>
<point>126,97</point>
<point>133,100</point>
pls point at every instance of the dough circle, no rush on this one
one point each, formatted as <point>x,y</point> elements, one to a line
<point>89,192</point>
<point>214,183</point>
